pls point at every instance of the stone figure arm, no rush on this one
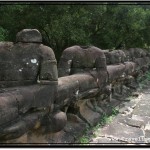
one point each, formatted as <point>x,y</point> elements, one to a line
<point>100,63</point>
<point>65,63</point>
<point>48,66</point>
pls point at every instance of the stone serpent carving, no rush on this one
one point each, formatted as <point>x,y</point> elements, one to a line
<point>35,96</point>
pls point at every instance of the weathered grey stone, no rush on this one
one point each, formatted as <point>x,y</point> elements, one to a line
<point>122,110</point>
<point>60,137</point>
<point>21,99</point>
<point>142,108</point>
<point>34,138</point>
<point>119,118</point>
<point>78,59</point>
<point>108,56</point>
<point>21,140</point>
<point>81,58</point>
<point>134,123</point>
<point>129,68</point>
<point>8,114</point>
<point>128,55</point>
<point>144,119</point>
<point>147,134</point>
<point>20,126</point>
<point>102,140</point>
<point>93,105</point>
<point>75,126</point>
<point>25,63</point>
<point>74,87</point>
<point>107,107</point>
<point>53,122</point>
<point>115,71</point>
<point>136,52</point>
<point>29,35</point>
<point>30,70</point>
<point>121,131</point>
<point>117,57</point>
<point>135,94</point>
<point>92,117</point>
<point>140,62</point>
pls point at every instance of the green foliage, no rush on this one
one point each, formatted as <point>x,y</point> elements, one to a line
<point>147,75</point>
<point>105,26</point>
<point>84,140</point>
<point>108,118</point>
<point>144,81</point>
<point>3,34</point>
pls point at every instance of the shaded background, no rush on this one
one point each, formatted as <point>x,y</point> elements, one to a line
<point>106,25</point>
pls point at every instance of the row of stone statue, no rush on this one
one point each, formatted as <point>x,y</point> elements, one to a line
<point>34,89</point>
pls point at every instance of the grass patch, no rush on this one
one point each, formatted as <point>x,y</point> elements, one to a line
<point>145,80</point>
<point>147,75</point>
<point>84,139</point>
<point>108,118</point>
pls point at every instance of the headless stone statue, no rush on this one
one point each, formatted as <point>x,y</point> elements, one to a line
<point>28,84</point>
<point>84,59</point>
<point>117,56</point>
<point>136,53</point>
<point>27,61</point>
<point>84,68</point>
<point>29,70</point>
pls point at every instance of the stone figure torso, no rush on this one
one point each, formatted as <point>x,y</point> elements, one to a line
<point>77,59</point>
<point>27,61</point>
